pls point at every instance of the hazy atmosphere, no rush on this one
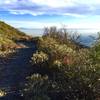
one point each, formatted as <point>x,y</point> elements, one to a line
<point>42,13</point>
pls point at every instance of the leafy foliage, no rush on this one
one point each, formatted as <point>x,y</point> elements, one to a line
<point>54,49</point>
<point>73,73</point>
<point>37,88</point>
<point>2,93</point>
<point>39,57</point>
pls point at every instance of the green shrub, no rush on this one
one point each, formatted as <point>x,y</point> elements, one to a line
<point>74,73</point>
<point>36,88</point>
<point>54,49</point>
<point>62,35</point>
<point>2,93</point>
<point>78,83</point>
<point>39,57</point>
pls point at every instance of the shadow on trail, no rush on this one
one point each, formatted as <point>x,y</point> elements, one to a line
<point>15,69</point>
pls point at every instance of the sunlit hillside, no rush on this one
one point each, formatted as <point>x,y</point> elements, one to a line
<point>9,37</point>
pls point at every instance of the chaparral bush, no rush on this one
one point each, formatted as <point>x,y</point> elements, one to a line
<point>2,93</point>
<point>39,57</point>
<point>75,72</point>
<point>36,88</point>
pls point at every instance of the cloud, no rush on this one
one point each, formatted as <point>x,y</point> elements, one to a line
<point>54,3</point>
<point>73,8</point>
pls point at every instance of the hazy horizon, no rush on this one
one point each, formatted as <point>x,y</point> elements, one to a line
<point>46,13</point>
<point>39,31</point>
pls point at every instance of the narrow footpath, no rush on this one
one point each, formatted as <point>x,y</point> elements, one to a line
<point>15,69</point>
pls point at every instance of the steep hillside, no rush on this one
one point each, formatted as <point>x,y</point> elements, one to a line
<point>9,35</point>
<point>9,31</point>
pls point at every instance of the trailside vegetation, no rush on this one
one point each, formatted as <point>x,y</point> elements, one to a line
<point>63,69</point>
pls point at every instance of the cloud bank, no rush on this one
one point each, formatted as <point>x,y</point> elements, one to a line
<point>75,8</point>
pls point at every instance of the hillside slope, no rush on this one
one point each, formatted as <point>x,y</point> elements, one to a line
<point>9,31</point>
<point>9,37</point>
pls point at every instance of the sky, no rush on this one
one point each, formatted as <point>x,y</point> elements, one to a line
<point>46,13</point>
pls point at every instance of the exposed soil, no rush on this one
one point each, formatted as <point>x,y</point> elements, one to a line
<point>15,69</point>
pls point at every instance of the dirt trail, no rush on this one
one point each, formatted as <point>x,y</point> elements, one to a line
<point>15,69</point>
